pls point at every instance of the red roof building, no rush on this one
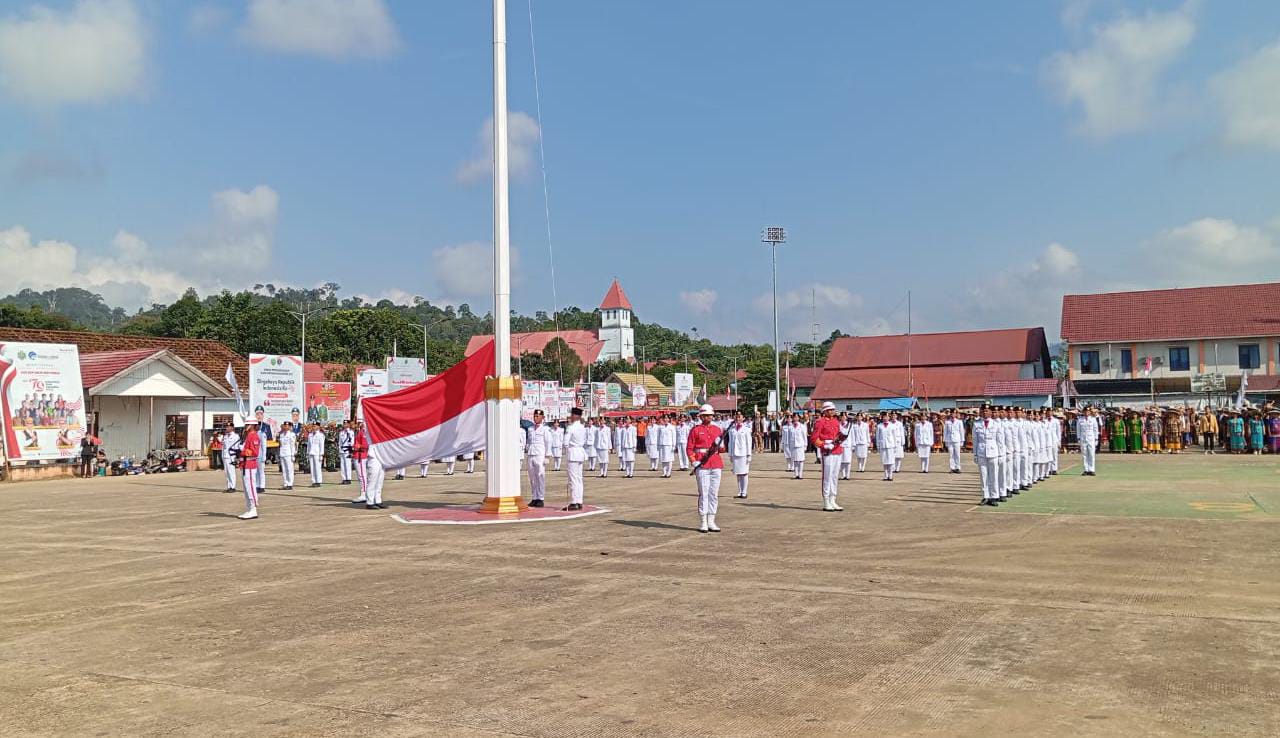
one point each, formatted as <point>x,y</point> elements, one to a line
<point>1127,346</point>
<point>615,298</point>
<point>945,368</point>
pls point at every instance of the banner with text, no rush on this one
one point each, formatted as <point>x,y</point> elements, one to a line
<point>369,383</point>
<point>275,385</point>
<point>328,401</point>
<point>682,388</point>
<point>43,400</point>
<point>403,371</point>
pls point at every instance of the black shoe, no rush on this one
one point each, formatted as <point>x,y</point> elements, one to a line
<point>381,506</point>
<point>262,490</point>
<point>1016,492</point>
<point>370,506</point>
<point>536,503</point>
<point>993,503</point>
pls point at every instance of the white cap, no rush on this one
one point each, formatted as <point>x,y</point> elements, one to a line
<point>706,410</point>
<point>251,421</point>
<point>828,406</point>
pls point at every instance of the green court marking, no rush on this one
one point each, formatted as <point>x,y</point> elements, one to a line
<point>1167,486</point>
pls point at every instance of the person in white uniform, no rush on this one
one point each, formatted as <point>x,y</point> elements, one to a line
<point>604,444</point>
<point>346,437</point>
<point>538,441</point>
<point>315,455</point>
<point>1088,430</point>
<point>923,434</point>
<point>704,447</point>
<point>953,438</point>
<point>786,445</point>
<point>557,444</point>
<point>288,452</point>
<point>575,455</point>
<point>886,444</point>
<point>627,443</point>
<point>449,463</point>
<point>230,453</point>
<point>860,440</point>
<point>799,442</point>
<point>593,433</point>
<point>424,469</point>
<point>377,474</point>
<point>986,454</point>
<point>1055,436</point>
<point>739,446</point>
<point>846,453</point>
<point>682,440</point>
<point>899,441</point>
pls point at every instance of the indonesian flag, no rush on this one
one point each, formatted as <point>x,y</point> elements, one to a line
<point>441,417</point>
<point>1146,367</point>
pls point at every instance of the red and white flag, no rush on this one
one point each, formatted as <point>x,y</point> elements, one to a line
<point>441,417</point>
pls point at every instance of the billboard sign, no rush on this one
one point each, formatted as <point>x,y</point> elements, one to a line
<point>369,383</point>
<point>683,388</point>
<point>613,396</point>
<point>42,401</point>
<point>275,385</point>
<point>404,371</point>
<point>328,401</point>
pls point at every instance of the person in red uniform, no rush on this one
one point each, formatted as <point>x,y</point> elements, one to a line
<point>360,458</point>
<point>828,439</point>
<point>249,450</point>
<point>704,446</point>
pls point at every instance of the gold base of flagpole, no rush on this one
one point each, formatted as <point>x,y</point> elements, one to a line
<point>504,505</point>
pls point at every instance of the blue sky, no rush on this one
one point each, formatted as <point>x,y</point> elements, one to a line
<point>988,156</point>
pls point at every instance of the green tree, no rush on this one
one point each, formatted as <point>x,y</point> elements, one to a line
<point>12,316</point>
<point>754,388</point>
<point>179,320</point>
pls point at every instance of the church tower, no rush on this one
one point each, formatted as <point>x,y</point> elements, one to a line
<point>615,325</point>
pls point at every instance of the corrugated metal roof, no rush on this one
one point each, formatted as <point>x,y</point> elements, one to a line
<point>98,368</point>
<point>1159,315</point>
<point>876,383</point>
<point>584,343</point>
<point>1015,345</point>
<point>1021,387</point>
<point>652,384</point>
<point>803,376</point>
<point>210,357</point>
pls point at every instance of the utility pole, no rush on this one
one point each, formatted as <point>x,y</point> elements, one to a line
<point>774,235</point>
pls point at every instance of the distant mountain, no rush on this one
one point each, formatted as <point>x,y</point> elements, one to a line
<point>79,306</point>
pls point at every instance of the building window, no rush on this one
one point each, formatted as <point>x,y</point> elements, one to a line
<point>1126,361</point>
<point>1180,359</point>
<point>1250,358</point>
<point>1089,362</point>
<point>175,431</point>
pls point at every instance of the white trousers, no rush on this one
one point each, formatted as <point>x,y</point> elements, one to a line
<point>286,470</point>
<point>1089,455</point>
<point>653,461</point>
<point>953,452</point>
<point>924,462</point>
<point>574,475</point>
<point>250,489</point>
<point>1053,459</point>
<point>602,463</point>
<point>666,468</point>
<point>798,466</point>
<point>448,467</point>
<point>538,477</point>
<point>317,468</point>
<point>260,474</point>
<point>230,471</point>
<point>373,488</point>
<point>1027,475</point>
<point>555,457</point>
<point>683,454</point>
<point>860,453</point>
<point>988,473</point>
<point>591,461</point>
<point>344,463</point>
<point>830,476</point>
<point>708,491</point>
<point>424,469</point>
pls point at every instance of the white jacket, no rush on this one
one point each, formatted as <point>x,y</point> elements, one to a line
<point>575,439</point>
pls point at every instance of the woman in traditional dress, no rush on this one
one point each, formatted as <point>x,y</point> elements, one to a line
<point>1173,432</point>
<point>1154,428</point>
<point>1257,433</point>
<point>1273,431</point>
<point>1118,441</point>
<point>1235,427</point>
<point>1135,433</point>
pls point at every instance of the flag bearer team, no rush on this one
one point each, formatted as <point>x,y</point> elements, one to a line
<point>1013,448</point>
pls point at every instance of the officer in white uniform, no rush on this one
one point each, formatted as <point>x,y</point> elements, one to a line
<point>663,436</point>
<point>592,435</point>
<point>604,444</point>
<point>899,441</point>
<point>537,442</point>
<point>739,448</point>
<point>346,437</point>
<point>986,454</point>
<point>799,442</point>
<point>1088,430</point>
<point>557,444</point>
<point>230,450</point>
<point>953,437</point>
<point>1055,426</point>
<point>886,443</point>
<point>575,455</point>
<point>785,434</point>
<point>682,440</point>
<point>373,490</point>
<point>860,439</point>
<point>627,443</point>
<point>924,442</point>
<point>846,453</point>
<point>288,452</point>
<point>315,455</point>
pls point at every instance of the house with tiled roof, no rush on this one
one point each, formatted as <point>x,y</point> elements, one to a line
<point>614,339</point>
<point>1186,344</point>
<point>937,369</point>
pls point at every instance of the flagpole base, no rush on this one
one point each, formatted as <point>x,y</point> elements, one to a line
<point>503,505</point>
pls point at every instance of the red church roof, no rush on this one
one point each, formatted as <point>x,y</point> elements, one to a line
<point>615,299</point>
<point>584,343</point>
<point>1236,311</point>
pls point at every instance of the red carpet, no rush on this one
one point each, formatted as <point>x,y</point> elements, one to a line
<point>471,515</point>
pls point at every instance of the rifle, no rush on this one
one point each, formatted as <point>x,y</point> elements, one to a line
<point>715,449</point>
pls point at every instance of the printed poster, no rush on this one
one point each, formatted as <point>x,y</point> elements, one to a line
<point>613,396</point>
<point>275,385</point>
<point>683,388</point>
<point>328,401</point>
<point>369,383</point>
<point>42,399</point>
<point>405,372</point>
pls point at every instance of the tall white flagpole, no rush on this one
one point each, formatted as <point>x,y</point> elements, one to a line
<point>502,391</point>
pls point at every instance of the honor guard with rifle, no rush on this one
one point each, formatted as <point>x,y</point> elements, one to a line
<point>828,437</point>
<point>703,447</point>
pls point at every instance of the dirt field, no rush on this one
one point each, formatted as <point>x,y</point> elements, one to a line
<point>1144,601</point>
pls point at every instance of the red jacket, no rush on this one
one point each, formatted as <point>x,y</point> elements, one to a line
<point>701,439</point>
<point>826,429</point>
<point>360,447</point>
<point>249,450</point>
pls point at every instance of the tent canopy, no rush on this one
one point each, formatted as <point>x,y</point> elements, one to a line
<point>897,403</point>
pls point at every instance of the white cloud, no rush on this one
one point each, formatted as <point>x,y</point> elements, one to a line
<point>1214,250</point>
<point>699,302</point>
<point>1116,78</point>
<point>1024,295</point>
<point>464,271</point>
<point>91,53</point>
<point>336,29</point>
<point>522,135</point>
<point>207,18</point>
<point>833,307</point>
<point>231,249</point>
<point>1249,95</point>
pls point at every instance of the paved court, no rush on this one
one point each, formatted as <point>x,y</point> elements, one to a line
<point>1144,601</point>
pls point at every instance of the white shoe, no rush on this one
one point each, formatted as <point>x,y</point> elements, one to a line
<point>826,504</point>
<point>711,524</point>
<point>834,506</point>
<point>250,514</point>
<point>359,499</point>
<point>703,528</point>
